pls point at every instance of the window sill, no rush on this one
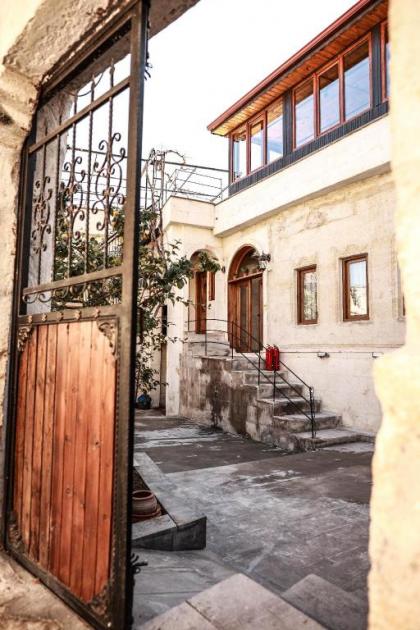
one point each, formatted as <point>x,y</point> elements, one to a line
<point>361,320</point>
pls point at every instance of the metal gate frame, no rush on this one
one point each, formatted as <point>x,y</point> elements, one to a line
<point>118,614</point>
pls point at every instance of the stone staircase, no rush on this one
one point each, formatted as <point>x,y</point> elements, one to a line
<point>283,420</point>
<point>283,416</point>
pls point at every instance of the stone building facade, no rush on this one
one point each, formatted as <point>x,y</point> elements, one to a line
<point>35,34</point>
<point>333,203</point>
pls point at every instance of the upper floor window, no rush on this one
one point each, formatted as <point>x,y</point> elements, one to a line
<point>338,92</point>
<point>307,309</point>
<point>275,131</point>
<point>357,80</point>
<point>304,113</point>
<point>343,91</point>
<point>355,288</point>
<point>329,98</point>
<point>239,153</point>
<point>256,137</point>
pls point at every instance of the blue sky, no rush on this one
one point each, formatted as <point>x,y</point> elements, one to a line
<point>211,56</point>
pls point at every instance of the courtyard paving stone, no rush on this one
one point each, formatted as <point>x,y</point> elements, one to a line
<point>277,518</point>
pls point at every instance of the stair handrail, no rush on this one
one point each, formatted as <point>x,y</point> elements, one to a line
<point>232,324</point>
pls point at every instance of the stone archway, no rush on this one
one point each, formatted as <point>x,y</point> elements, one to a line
<point>245,289</point>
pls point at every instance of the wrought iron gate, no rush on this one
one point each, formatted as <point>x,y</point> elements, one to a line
<point>70,424</point>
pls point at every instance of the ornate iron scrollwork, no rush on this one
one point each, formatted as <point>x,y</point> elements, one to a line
<point>24,332</point>
<point>100,605</point>
<point>108,170</point>
<point>14,534</point>
<point>41,214</point>
<point>109,329</point>
<point>137,564</point>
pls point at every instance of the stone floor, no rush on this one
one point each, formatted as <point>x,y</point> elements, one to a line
<point>277,518</point>
<point>25,604</point>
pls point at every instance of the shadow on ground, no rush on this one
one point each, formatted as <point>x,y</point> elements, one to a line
<point>277,518</point>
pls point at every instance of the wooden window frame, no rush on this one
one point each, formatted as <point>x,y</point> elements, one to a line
<point>345,288</point>
<point>232,152</point>
<point>259,118</point>
<point>340,63</point>
<point>366,38</point>
<point>273,104</point>
<point>295,89</point>
<point>314,77</point>
<point>384,28</point>
<point>211,282</point>
<point>300,274</point>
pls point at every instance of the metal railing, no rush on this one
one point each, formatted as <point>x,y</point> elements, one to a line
<point>162,179</point>
<point>235,334</point>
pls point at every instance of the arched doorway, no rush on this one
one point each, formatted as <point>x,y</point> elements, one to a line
<point>245,301</point>
<point>201,293</point>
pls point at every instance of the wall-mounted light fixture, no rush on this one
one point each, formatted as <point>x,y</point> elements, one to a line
<point>376,355</point>
<point>223,269</point>
<point>323,355</point>
<point>263,260</point>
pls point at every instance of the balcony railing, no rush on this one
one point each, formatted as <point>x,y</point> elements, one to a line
<point>162,179</point>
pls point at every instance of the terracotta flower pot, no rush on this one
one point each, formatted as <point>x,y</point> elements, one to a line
<point>144,503</point>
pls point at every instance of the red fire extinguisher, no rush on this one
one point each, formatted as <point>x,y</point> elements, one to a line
<point>269,358</point>
<point>276,358</point>
<point>272,358</point>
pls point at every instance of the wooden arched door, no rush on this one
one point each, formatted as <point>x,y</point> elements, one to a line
<point>245,301</point>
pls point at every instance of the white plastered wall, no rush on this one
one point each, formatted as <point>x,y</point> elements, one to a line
<point>336,212</point>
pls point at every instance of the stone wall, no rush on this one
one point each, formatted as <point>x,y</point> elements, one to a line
<point>394,581</point>
<point>353,218</point>
<point>218,397</point>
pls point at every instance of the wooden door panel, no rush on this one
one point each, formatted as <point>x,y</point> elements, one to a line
<point>245,310</point>
<point>64,452</point>
<point>201,301</point>
<point>70,402</point>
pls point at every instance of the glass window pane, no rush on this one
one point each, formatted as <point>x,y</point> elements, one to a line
<point>275,132</point>
<point>357,81</point>
<point>257,145</point>
<point>357,283</point>
<point>249,264</point>
<point>239,154</point>
<point>329,99</point>
<point>387,60</point>
<point>309,295</point>
<point>304,114</point>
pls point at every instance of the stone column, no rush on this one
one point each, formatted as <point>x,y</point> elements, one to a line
<point>394,581</point>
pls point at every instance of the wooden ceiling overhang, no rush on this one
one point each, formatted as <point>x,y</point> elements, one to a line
<point>351,26</point>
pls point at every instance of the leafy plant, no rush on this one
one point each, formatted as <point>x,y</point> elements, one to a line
<point>163,273</point>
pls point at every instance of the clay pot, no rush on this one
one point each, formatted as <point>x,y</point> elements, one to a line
<point>144,503</point>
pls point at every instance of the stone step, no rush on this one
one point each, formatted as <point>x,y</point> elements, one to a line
<point>251,377</point>
<point>282,405</point>
<point>212,350</point>
<point>298,423</point>
<point>181,527</point>
<point>327,603</point>
<point>266,390</point>
<point>326,437</point>
<point>214,335</point>
<point>242,363</point>
<point>235,603</point>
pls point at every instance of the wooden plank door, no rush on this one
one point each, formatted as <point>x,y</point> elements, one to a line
<point>255,324</point>
<point>247,297</point>
<point>71,395</point>
<point>201,301</point>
